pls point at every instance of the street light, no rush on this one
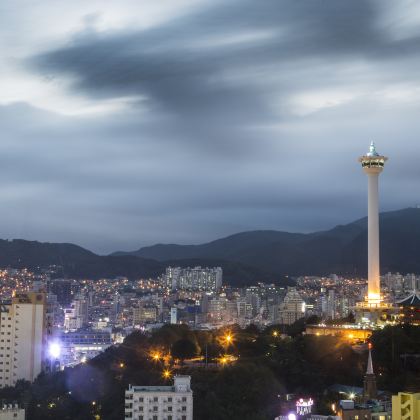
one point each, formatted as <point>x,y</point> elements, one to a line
<point>228,338</point>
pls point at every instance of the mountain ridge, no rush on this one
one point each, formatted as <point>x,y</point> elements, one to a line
<point>342,249</point>
<point>246,257</point>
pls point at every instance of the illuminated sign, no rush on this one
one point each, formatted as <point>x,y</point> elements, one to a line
<point>304,406</point>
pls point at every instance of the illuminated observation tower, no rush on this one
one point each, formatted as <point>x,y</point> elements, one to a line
<point>373,164</point>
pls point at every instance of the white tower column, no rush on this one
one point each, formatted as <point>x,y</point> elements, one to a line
<point>374,289</point>
<point>373,164</point>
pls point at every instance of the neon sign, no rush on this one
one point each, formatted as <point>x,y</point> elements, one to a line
<point>304,406</point>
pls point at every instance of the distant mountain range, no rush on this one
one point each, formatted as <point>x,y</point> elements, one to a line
<point>341,250</point>
<point>246,257</point>
<point>77,262</point>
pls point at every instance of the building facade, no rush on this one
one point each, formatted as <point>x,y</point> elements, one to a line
<point>160,402</point>
<point>24,333</point>
<point>197,278</point>
<point>292,308</point>
<point>406,406</point>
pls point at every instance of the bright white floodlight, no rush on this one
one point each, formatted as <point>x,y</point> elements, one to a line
<point>291,416</point>
<point>55,350</point>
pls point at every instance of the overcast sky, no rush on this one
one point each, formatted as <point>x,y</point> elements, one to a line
<point>126,123</point>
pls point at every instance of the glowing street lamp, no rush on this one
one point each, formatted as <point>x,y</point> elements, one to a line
<point>166,373</point>
<point>275,333</point>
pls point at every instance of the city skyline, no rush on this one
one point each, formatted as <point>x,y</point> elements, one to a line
<point>134,123</point>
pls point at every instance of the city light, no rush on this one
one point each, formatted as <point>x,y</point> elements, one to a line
<point>228,339</point>
<point>55,350</point>
<point>275,333</point>
<point>166,373</point>
<point>291,416</point>
<point>155,355</point>
<point>352,395</point>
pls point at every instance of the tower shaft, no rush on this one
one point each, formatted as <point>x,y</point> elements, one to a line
<point>373,164</point>
<point>374,290</point>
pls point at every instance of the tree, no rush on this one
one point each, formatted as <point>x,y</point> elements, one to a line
<point>183,349</point>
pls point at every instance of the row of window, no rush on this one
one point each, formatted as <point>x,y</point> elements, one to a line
<point>154,399</point>
<point>154,408</point>
<point>169,417</point>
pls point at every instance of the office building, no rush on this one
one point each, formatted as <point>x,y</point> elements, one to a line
<point>160,402</point>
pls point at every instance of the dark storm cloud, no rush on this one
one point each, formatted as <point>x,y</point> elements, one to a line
<point>239,115</point>
<point>181,66</point>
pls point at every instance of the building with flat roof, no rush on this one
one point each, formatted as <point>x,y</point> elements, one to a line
<point>160,402</point>
<point>24,331</point>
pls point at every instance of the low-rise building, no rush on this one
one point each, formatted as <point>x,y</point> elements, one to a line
<point>160,402</point>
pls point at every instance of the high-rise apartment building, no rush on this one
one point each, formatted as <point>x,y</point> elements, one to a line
<point>292,308</point>
<point>197,278</point>
<point>160,402</point>
<point>24,332</point>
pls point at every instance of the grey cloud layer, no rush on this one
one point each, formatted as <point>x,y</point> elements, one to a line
<point>213,141</point>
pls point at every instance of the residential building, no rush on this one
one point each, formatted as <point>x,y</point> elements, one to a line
<point>160,402</point>
<point>23,337</point>
<point>292,308</point>
<point>197,278</point>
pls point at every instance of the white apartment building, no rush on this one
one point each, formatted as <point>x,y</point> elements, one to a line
<point>195,279</point>
<point>292,308</point>
<point>23,336</point>
<point>160,402</point>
